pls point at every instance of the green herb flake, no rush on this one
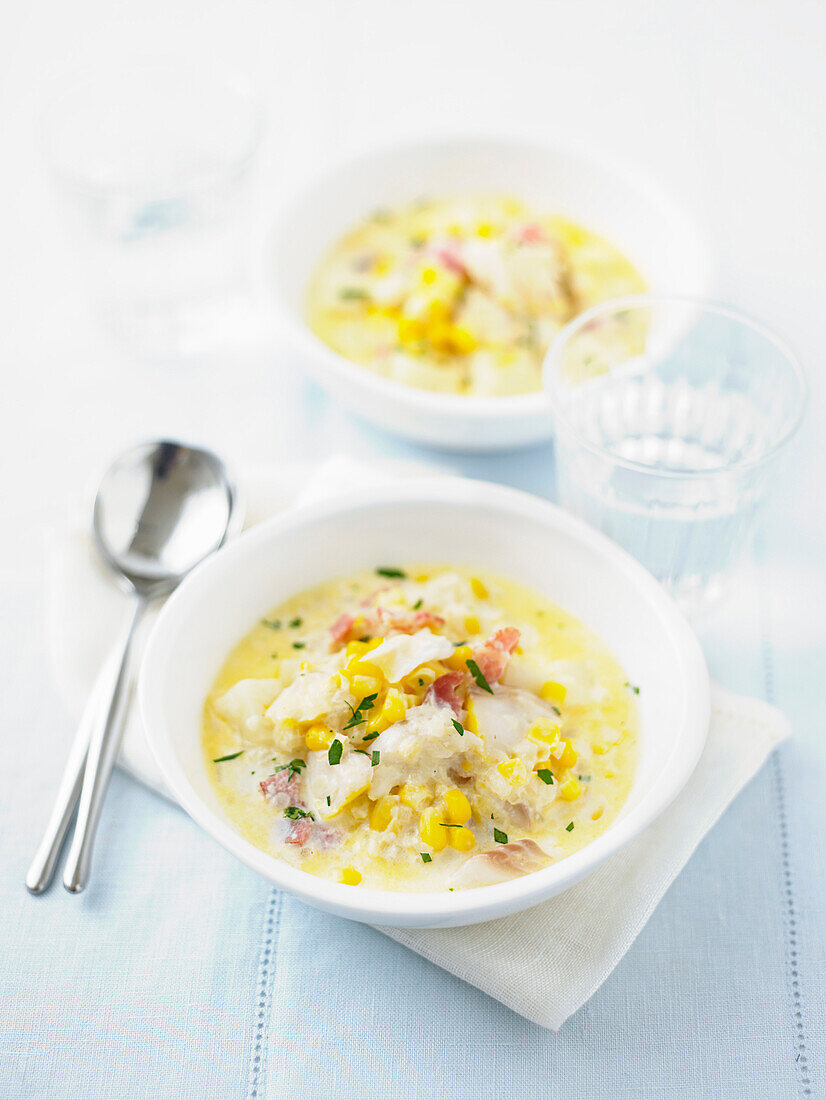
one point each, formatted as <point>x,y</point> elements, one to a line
<point>359,713</point>
<point>460,729</point>
<point>328,800</point>
<point>375,758</point>
<point>295,813</point>
<point>418,604</point>
<point>362,752</point>
<point>499,836</point>
<point>295,623</point>
<point>273,624</point>
<point>584,778</point>
<point>393,574</point>
<point>299,645</point>
<point>479,676</point>
<point>229,756</point>
<point>556,711</point>
<point>334,752</point>
<point>569,827</point>
<point>633,687</point>
<point>370,736</point>
<point>451,825</point>
<point>293,768</point>
<point>353,294</point>
<point>546,776</point>
<point>425,857</point>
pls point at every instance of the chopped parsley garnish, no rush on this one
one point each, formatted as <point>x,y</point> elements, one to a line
<point>393,574</point>
<point>375,758</point>
<point>556,710</point>
<point>295,813</point>
<point>460,729</point>
<point>584,778</point>
<point>451,825</point>
<point>353,294</point>
<point>546,776</point>
<point>499,836</point>
<point>299,645</point>
<point>569,827</point>
<point>479,676</point>
<point>421,682</point>
<point>359,713</point>
<point>334,752</point>
<point>633,687</point>
<point>295,623</point>
<point>370,736</point>
<point>417,242</point>
<point>273,624</point>
<point>425,857</point>
<point>328,800</point>
<point>418,604</point>
<point>293,768</point>
<point>229,756</point>
<point>362,751</point>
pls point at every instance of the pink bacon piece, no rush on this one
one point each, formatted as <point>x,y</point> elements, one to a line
<point>281,789</point>
<point>299,831</point>
<point>530,233</point>
<point>378,620</point>
<point>451,260</point>
<point>493,657</point>
<point>341,627</point>
<point>444,691</point>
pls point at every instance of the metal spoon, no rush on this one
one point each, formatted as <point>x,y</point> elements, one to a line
<point>160,510</point>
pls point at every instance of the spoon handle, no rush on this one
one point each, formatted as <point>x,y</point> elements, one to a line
<point>103,749</point>
<point>42,867</point>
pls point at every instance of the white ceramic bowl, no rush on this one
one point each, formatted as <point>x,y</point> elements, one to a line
<point>441,520</point>
<point>626,208</point>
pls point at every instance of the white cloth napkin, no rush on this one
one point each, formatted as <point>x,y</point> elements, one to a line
<point>558,953</point>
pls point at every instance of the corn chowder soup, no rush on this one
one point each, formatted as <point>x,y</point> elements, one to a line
<point>420,729</point>
<point>461,296</point>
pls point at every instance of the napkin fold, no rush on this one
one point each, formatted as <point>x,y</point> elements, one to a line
<point>558,953</point>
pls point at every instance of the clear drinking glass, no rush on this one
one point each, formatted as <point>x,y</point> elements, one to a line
<point>153,157</point>
<point>671,419</point>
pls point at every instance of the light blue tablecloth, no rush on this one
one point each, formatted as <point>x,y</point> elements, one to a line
<point>180,974</point>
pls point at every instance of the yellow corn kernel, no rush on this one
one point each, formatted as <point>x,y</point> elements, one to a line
<point>429,276</point>
<point>410,330</point>
<point>421,578</point>
<point>472,625</point>
<point>600,748</point>
<point>471,722</point>
<point>479,589</point>
<point>461,340</point>
<point>484,229</point>
<point>350,876</point>
<point>553,692</point>
<point>597,814</point>
<point>438,311</point>
<point>381,813</point>
<point>382,265</point>
<point>353,796</point>
<point>467,766</point>
<point>543,732</point>
<point>457,807</point>
<point>459,658</point>
<point>461,839</point>
<point>513,770</point>
<point>609,774</point>
<point>318,737</point>
<point>566,756</point>
<point>570,789</point>
<point>391,710</point>
<point>358,649</point>
<point>432,831</point>
<point>414,796</point>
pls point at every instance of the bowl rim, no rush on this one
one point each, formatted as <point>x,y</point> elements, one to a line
<point>474,408</point>
<point>443,908</point>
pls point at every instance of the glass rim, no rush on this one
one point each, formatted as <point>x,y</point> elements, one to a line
<point>231,80</point>
<point>640,301</point>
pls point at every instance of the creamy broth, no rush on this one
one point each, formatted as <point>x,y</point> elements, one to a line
<point>463,295</point>
<point>434,730</point>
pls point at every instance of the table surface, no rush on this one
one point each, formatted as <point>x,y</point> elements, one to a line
<point>179,973</point>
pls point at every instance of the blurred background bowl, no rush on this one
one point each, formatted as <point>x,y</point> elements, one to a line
<point>626,208</point>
